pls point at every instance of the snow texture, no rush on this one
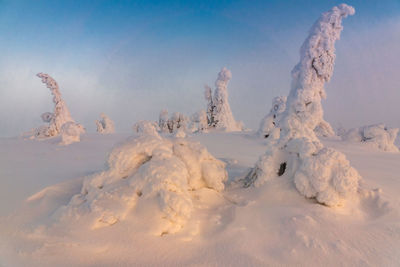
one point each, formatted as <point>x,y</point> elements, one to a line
<point>105,125</point>
<point>218,110</point>
<point>148,173</point>
<point>318,172</point>
<point>60,115</point>
<point>377,135</point>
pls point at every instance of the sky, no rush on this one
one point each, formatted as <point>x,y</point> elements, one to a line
<point>131,59</point>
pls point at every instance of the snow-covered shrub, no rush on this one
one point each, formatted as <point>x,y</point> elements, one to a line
<point>71,132</point>
<point>57,119</point>
<point>269,127</point>
<point>163,121</point>
<point>318,172</point>
<point>146,127</point>
<point>105,125</point>
<point>377,135</point>
<point>219,113</point>
<point>171,125</point>
<point>148,176</point>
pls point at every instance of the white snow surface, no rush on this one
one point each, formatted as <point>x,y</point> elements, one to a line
<point>318,172</point>
<point>105,125</point>
<point>259,226</point>
<point>376,135</point>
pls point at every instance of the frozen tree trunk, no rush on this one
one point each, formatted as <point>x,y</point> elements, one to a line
<point>105,125</point>
<point>318,172</point>
<point>218,110</point>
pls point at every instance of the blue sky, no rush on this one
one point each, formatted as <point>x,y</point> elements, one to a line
<point>130,59</point>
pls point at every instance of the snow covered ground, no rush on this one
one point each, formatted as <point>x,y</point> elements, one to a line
<point>257,226</point>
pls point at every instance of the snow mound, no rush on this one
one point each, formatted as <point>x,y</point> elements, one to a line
<point>149,179</point>
<point>105,125</point>
<point>377,135</point>
<point>318,172</point>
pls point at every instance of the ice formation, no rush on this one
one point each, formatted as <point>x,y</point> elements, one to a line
<point>105,125</point>
<point>148,176</point>
<point>318,172</point>
<point>218,110</point>
<point>377,135</point>
<point>269,127</point>
<point>60,121</point>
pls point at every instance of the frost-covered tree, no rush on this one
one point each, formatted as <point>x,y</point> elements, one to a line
<point>163,121</point>
<point>71,133</point>
<point>318,172</point>
<point>59,117</point>
<point>146,127</point>
<point>269,127</point>
<point>377,135</point>
<point>218,110</point>
<point>269,124</point>
<point>61,113</point>
<point>105,125</point>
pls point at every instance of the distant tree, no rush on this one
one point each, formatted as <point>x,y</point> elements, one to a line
<point>105,125</point>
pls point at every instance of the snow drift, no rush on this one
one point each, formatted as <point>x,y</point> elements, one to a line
<point>318,172</point>
<point>377,135</point>
<point>60,121</point>
<point>148,176</point>
<point>218,109</point>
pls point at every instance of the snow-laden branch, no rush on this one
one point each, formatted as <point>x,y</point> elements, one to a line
<point>318,172</point>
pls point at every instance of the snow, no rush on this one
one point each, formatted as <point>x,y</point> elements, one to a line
<point>318,172</point>
<point>71,132</point>
<point>377,135</point>
<point>257,226</point>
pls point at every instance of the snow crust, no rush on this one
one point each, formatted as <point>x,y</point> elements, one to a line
<point>318,172</point>
<point>105,125</point>
<point>218,109</point>
<point>377,135</point>
<point>149,173</point>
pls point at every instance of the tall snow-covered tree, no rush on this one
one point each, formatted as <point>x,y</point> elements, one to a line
<point>318,172</point>
<point>218,110</point>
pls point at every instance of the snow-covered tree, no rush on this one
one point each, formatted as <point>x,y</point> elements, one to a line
<point>318,172</point>
<point>163,121</point>
<point>105,125</point>
<point>146,127</point>
<point>198,122</point>
<point>59,117</point>
<point>269,124</point>
<point>149,177</point>
<point>377,135</point>
<point>269,127</point>
<point>218,110</point>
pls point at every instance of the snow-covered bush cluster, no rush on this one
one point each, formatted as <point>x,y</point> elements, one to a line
<point>148,176</point>
<point>377,135</point>
<point>219,114</point>
<point>105,125</point>
<point>269,127</point>
<point>318,172</point>
<point>60,121</point>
